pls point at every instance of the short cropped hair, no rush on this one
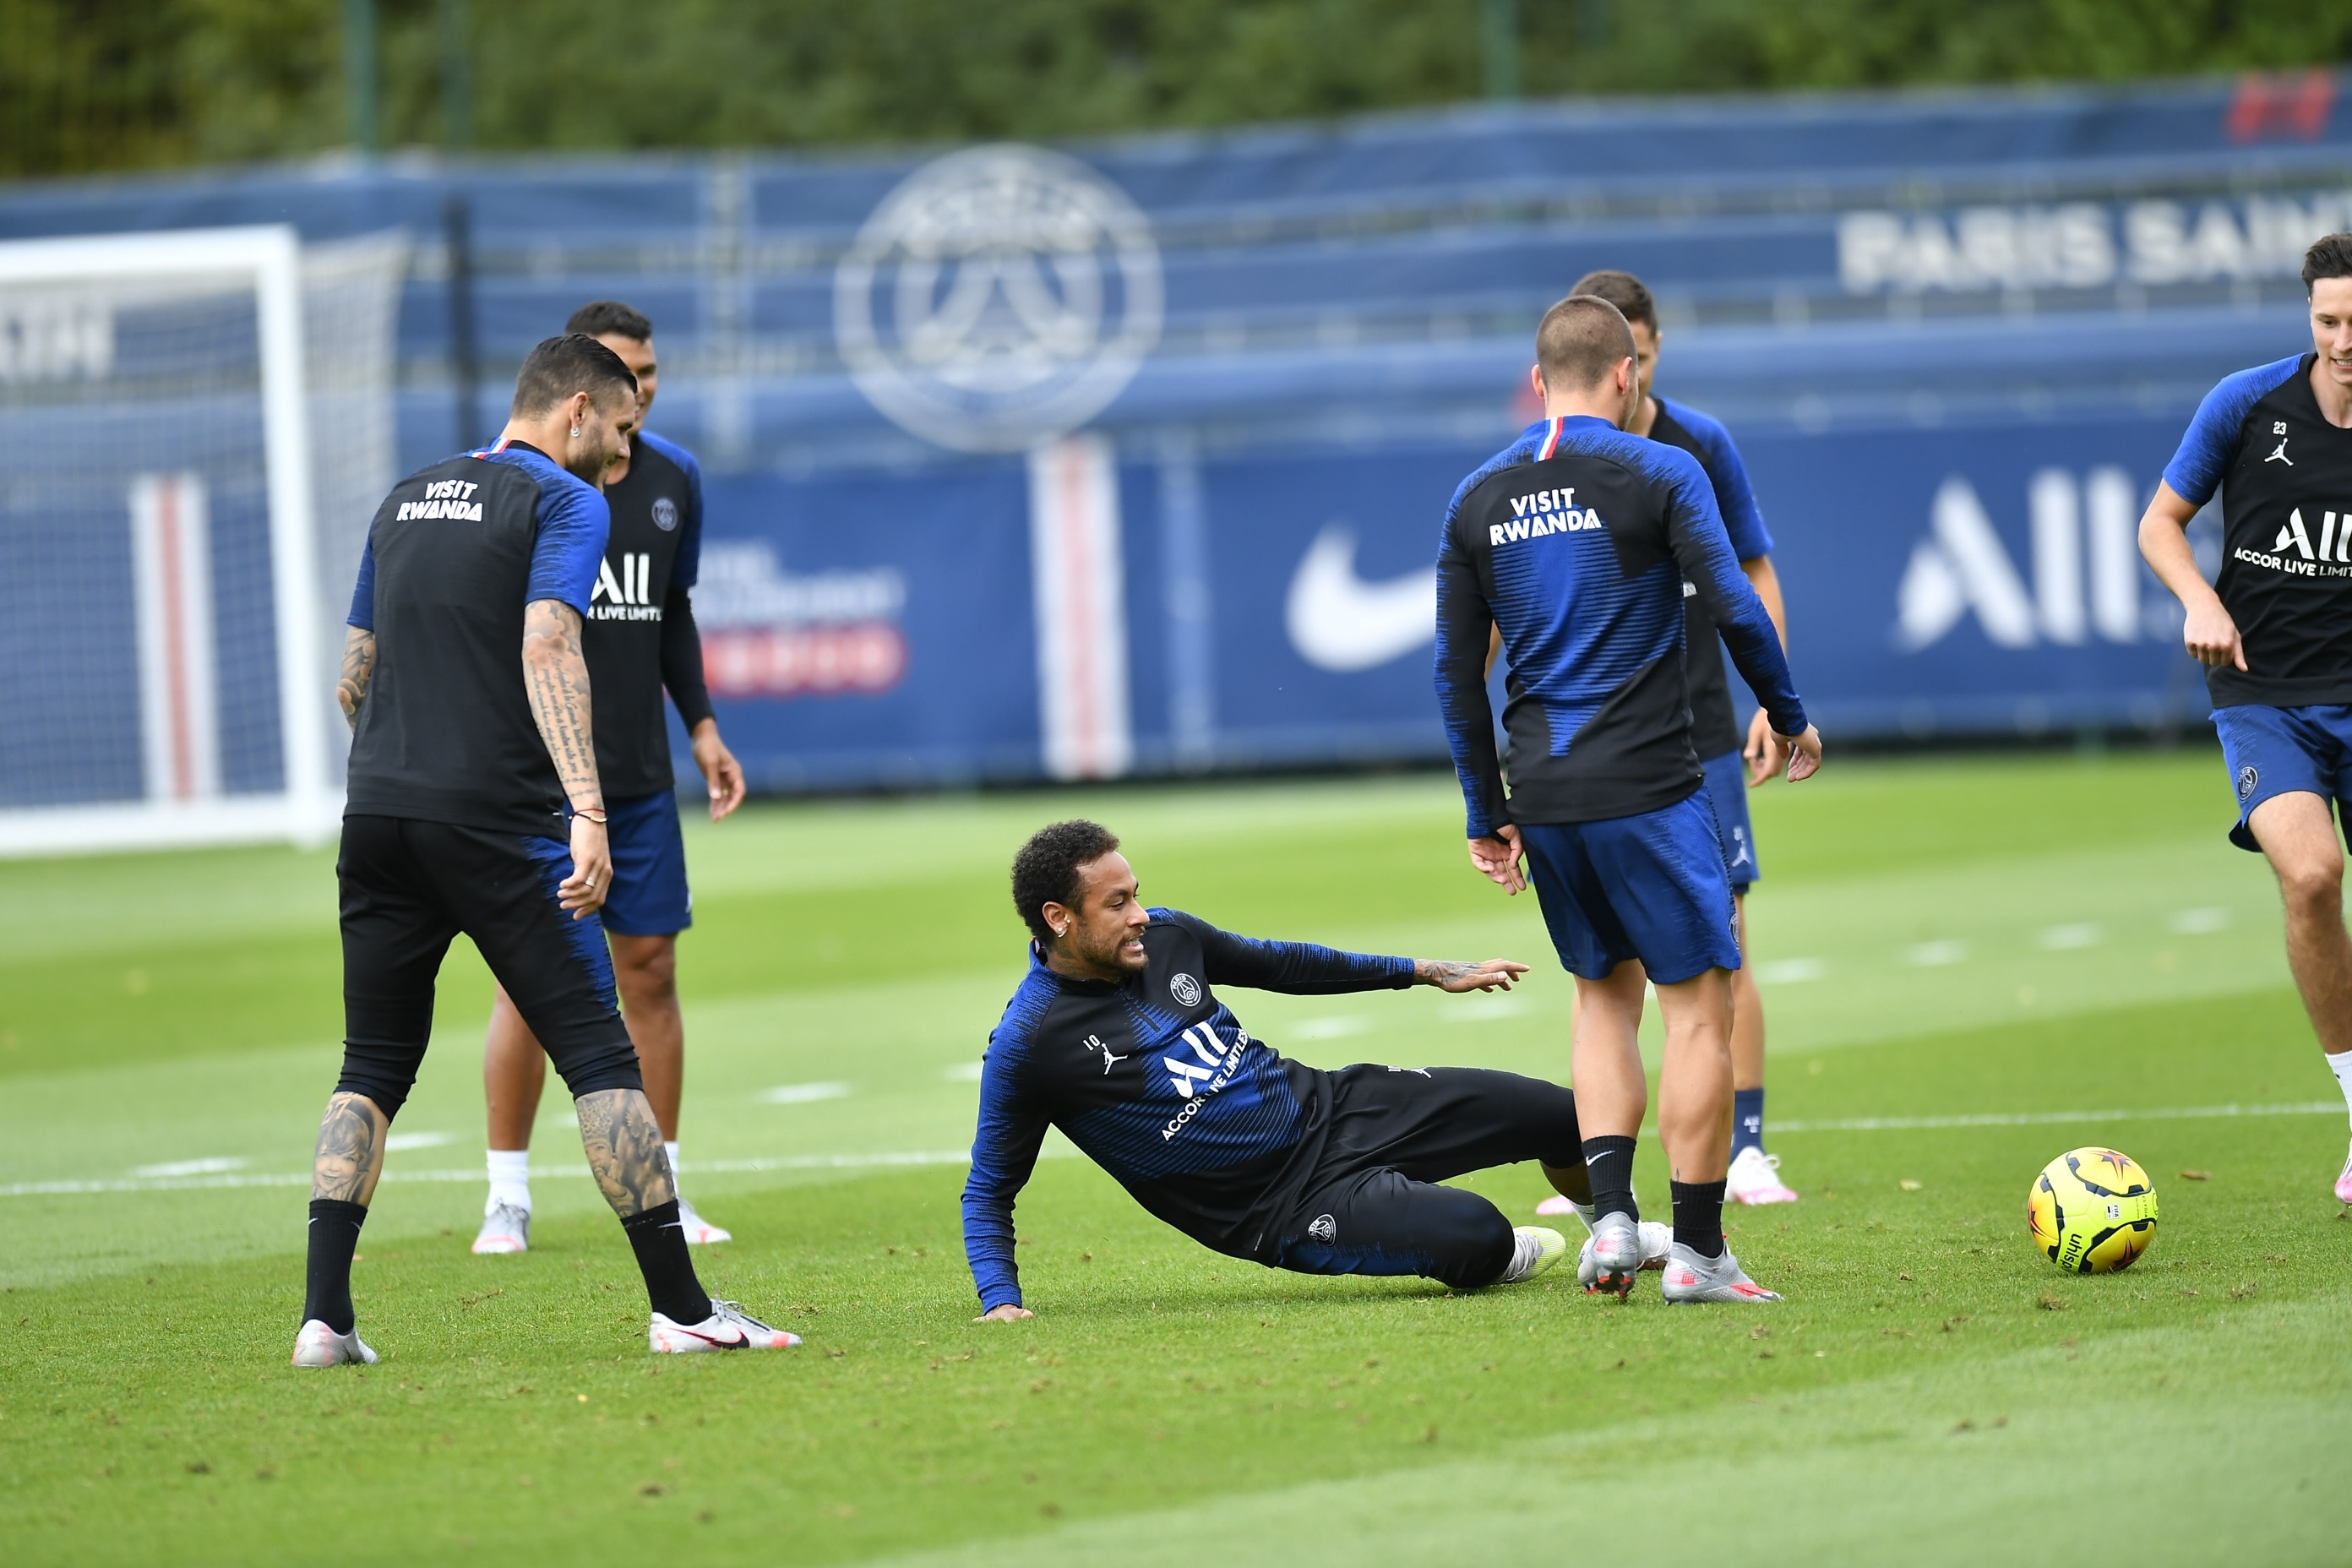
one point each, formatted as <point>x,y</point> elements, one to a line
<point>1580,340</point>
<point>1045,871</point>
<point>610,317</point>
<point>561,367</point>
<point>1628,293</point>
<point>2329,257</point>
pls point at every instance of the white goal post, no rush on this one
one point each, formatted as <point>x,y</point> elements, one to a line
<point>167,631</point>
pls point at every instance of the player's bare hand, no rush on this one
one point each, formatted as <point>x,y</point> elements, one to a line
<point>1497,858</point>
<point>1452,974</point>
<point>1007,1313</point>
<point>583,892</point>
<point>1761,752</point>
<point>1804,754</point>
<point>2210,636</point>
<point>720,772</point>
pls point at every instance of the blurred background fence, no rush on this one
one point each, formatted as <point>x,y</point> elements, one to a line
<point>1130,455</point>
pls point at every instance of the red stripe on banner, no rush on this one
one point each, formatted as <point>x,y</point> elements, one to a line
<point>175,635</point>
<point>1070,477</point>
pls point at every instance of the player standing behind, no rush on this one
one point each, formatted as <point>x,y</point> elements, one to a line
<point>1576,540</point>
<point>2274,633</point>
<point>1715,733</point>
<point>472,744</point>
<point>640,638</point>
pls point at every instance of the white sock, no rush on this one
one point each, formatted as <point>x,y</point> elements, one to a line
<point>670,1148</point>
<point>1584,1213</point>
<point>510,1179</point>
<point>2341,1065</point>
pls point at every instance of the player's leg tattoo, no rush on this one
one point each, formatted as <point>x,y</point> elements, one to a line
<point>350,1155</point>
<point>624,1150</point>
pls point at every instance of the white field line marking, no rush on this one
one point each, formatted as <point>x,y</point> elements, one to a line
<point>803,1093</point>
<point>303,1178</point>
<point>2063,939</point>
<point>213,1167</point>
<point>1791,971</point>
<point>2198,922</point>
<point>2047,1118</point>
<point>962,1072</point>
<point>399,1143</point>
<point>1931,954</point>
<point>1335,1027</point>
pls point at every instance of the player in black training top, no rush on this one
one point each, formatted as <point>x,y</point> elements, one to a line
<point>1722,745</point>
<point>1118,1037</point>
<point>1577,541</point>
<point>2274,633</point>
<point>472,762</point>
<point>640,639</point>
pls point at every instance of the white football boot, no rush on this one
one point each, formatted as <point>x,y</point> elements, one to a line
<point>1611,1256</point>
<point>699,1232</point>
<point>2344,1183</point>
<point>1755,1178</point>
<point>729,1328</point>
<point>1690,1277</point>
<point>1657,1240</point>
<point>1533,1250</point>
<point>319,1345</point>
<point>505,1228</point>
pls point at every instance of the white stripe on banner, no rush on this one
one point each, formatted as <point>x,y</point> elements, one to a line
<point>179,705</point>
<point>1079,584</point>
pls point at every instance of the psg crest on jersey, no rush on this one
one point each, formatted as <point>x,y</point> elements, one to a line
<point>665,513</point>
<point>1185,989</point>
<point>999,297</point>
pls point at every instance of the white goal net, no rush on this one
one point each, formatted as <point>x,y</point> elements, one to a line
<point>194,429</point>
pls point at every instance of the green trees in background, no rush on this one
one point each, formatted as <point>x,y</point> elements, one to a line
<point>95,85</point>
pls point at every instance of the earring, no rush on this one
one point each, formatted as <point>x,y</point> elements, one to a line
<point>575,432</point>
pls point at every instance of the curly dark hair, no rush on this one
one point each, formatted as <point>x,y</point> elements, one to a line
<point>2329,257</point>
<point>1045,871</point>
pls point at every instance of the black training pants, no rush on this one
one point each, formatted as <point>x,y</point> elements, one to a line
<point>1371,1206</point>
<point>408,887</point>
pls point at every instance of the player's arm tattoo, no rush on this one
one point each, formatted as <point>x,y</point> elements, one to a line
<point>349,1157</point>
<point>358,669</point>
<point>624,1150</point>
<point>1438,971</point>
<point>555,673</point>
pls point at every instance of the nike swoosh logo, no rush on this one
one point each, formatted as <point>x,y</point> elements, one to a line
<point>741,1342</point>
<point>1339,622</point>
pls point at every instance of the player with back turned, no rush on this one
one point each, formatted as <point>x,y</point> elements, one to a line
<point>640,639</point>
<point>1715,734</point>
<point>2274,631</point>
<point>1576,540</point>
<point>473,804</point>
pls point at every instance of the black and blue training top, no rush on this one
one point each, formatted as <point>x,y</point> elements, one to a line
<point>1156,1082</point>
<point>1715,728</point>
<point>455,551</point>
<point>1576,540</point>
<point>2284,475</point>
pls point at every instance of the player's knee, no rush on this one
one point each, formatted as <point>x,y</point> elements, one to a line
<point>645,968</point>
<point>593,1067</point>
<point>2312,885</point>
<point>383,1072</point>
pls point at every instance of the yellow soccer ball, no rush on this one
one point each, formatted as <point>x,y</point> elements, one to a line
<point>2092,1211</point>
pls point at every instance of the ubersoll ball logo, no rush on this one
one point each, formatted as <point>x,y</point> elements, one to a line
<point>1000,295</point>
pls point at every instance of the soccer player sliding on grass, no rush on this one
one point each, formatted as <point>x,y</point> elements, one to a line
<point>2274,631</point>
<point>1118,1037</point>
<point>474,805</point>
<point>1578,541</point>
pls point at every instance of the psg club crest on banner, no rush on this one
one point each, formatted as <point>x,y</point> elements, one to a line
<point>665,513</point>
<point>999,297</point>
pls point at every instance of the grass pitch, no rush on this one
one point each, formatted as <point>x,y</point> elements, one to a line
<point>1968,967</point>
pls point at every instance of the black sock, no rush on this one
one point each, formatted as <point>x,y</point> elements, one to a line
<point>659,1242</point>
<point>1609,1162</point>
<point>1699,1216</point>
<point>327,1287</point>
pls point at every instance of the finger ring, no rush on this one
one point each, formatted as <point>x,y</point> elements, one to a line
<point>592,884</point>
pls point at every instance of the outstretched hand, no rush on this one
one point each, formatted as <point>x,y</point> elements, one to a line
<point>1451,975</point>
<point>1497,858</point>
<point>1005,1315</point>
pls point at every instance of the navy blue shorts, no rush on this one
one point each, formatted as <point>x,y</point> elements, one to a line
<point>650,897</point>
<point>1726,796</point>
<point>2277,751</point>
<point>1652,886</point>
